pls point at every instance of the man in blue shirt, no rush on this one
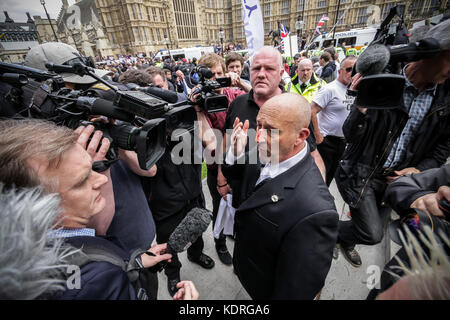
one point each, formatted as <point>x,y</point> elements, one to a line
<point>39,153</point>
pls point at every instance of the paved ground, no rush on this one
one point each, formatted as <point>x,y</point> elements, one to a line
<point>344,282</point>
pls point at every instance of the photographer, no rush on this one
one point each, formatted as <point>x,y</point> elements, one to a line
<point>384,144</point>
<point>217,183</point>
<point>234,64</point>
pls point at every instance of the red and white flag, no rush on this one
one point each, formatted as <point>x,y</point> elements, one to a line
<point>320,23</point>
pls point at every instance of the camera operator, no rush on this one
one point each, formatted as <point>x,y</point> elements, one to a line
<point>217,183</point>
<point>176,189</point>
<point>384,144</point>
<point>127,215</point>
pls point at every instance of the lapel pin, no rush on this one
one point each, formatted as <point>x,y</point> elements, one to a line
<point>274,198</point>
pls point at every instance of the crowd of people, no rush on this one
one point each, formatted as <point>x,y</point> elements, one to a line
<point>285,134</point>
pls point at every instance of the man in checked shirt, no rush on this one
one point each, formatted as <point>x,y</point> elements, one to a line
<point>383,145</point>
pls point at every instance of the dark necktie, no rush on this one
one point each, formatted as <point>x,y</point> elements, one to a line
<point>303,86</point>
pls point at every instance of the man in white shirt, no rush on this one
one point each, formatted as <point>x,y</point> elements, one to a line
<point>286,227</point>
<point>329,111</point>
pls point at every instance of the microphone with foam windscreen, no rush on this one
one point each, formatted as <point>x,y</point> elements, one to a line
<point>187,232</point>
<point>378,89</point>
<point>190,228</point>
<point>373,60</point>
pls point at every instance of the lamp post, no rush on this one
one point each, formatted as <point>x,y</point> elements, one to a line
<point>299,26</point>
<point>166,41</point>
<point>48,17</point>
<point>221,36</point>
<point>335,22</point>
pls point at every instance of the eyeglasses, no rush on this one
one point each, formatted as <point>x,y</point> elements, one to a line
<point>349,69</point>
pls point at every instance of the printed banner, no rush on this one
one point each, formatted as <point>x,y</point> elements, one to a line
<point>253,25</point>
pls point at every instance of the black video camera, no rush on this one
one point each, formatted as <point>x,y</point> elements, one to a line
<point>16,86</point>
<point>209,100</point>
<point>144,130</point>
<point>381,64</point>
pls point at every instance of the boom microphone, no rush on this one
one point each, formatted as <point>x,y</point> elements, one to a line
<point>378,88</point>
<point>104,107</point>
<point>190,228</point>
<point>373,60</point>
<point>166,95</point>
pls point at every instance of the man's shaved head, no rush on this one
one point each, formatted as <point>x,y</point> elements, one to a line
<point>286,118</point>
<point>290,108</point>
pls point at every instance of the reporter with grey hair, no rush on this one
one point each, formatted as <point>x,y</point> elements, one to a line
<point>385,144</point>
<point>39,153</point>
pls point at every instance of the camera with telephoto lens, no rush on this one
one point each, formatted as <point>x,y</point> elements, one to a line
<point>209,100</point>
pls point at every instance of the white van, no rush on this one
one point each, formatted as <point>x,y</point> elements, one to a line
<point>188,53</point>
<point>356,37</point>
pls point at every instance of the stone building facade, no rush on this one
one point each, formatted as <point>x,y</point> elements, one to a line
<point>150,25</point>
<point>114,27</point>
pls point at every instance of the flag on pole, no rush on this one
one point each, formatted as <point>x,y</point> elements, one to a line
<point>253,25</point>
<point>284,32</point>
<point>320,23</point>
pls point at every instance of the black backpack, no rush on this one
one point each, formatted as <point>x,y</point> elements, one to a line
<point>98,249</point>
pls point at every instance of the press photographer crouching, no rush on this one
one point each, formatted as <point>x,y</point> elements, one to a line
<point>388,139</point>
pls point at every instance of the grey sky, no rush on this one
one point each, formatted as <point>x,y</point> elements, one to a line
<point>17,9</point>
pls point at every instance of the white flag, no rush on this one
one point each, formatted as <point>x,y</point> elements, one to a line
<point>253,25</point>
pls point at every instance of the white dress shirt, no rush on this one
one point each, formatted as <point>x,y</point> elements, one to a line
<point>271,171</point>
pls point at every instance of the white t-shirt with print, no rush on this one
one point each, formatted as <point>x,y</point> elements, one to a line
<point>330,98</point>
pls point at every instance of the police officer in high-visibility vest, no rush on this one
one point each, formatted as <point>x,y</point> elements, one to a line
<point>351,51</point>
<point>364,47</point>
<point>305,82</point>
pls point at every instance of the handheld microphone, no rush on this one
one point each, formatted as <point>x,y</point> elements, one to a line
<point>187,232</point>
<point>190,228</point>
